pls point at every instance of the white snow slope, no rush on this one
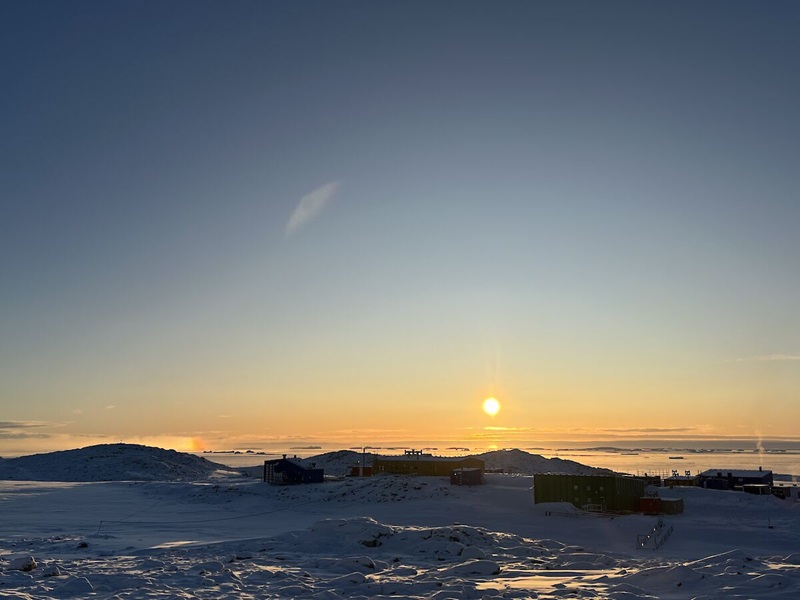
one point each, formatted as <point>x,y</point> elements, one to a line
<point>381,537</point>
<point>110,462</point>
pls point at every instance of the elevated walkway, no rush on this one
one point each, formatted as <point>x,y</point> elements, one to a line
<point>656,537</point>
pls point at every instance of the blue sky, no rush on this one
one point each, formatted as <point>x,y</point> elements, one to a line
<point>586,209</point>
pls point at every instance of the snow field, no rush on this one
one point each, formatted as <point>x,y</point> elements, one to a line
<point>230,536</point>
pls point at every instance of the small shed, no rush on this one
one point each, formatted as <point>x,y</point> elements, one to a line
<point>654,480</point>
<point>672,506</point>
<point>758,489</point>
<point>650,505</point>
<point>466,476</point>
<point>284,471</point>
<point>360,471</point>
<point>681,481</point>
<point>654,505</point>
<point>606,492</point>
<point>733,479</point>
<point>785,490</point>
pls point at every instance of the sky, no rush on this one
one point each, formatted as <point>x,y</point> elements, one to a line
<point>229,224</point>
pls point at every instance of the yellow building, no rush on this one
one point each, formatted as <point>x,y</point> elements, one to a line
<point>414,462</point>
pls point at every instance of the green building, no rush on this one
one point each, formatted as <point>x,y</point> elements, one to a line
<point>415,462</point>
<point>589,492</point>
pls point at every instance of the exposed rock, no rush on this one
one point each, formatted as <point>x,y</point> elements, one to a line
<point>22,563</point>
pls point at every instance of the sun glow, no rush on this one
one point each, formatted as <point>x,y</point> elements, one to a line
<point>491,406</point>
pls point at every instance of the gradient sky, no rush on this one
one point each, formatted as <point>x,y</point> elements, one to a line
<point>228,223</point>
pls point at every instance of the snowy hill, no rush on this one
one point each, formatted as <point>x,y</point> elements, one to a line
<point>131,462</point>
<point>525,463</point>
<point>110,462</point>
<point>510,461</point>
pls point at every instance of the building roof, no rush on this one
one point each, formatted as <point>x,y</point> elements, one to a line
<point>589,475</point>
<point>298,462</point>
<point>742,473</point>
<point>425,458</point>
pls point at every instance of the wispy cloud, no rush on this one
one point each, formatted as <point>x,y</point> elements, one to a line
<point>518,434</point>
<point>653,430</point>
<point>499,428</point>
<point>21,430</point>
<point>311,206</point>
<point>22,424</point>
<point>771,358</point>
<point>338,433</point>
<point>7,434</point>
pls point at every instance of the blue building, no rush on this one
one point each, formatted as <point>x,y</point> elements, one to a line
<point>284,471</point>
<point>733,479</point>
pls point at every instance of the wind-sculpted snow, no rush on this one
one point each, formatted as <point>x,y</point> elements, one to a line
<point>379,537</point>
<point>364,558</point>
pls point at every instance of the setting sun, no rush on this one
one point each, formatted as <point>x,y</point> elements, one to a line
<point>491,406</point>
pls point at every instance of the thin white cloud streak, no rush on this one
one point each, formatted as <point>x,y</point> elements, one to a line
<point>311,206</point>
<point>772,358</point>
<point>595,432</point>
<point>23,424</point>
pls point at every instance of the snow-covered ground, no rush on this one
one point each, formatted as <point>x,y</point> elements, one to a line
<point>228,536</point>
